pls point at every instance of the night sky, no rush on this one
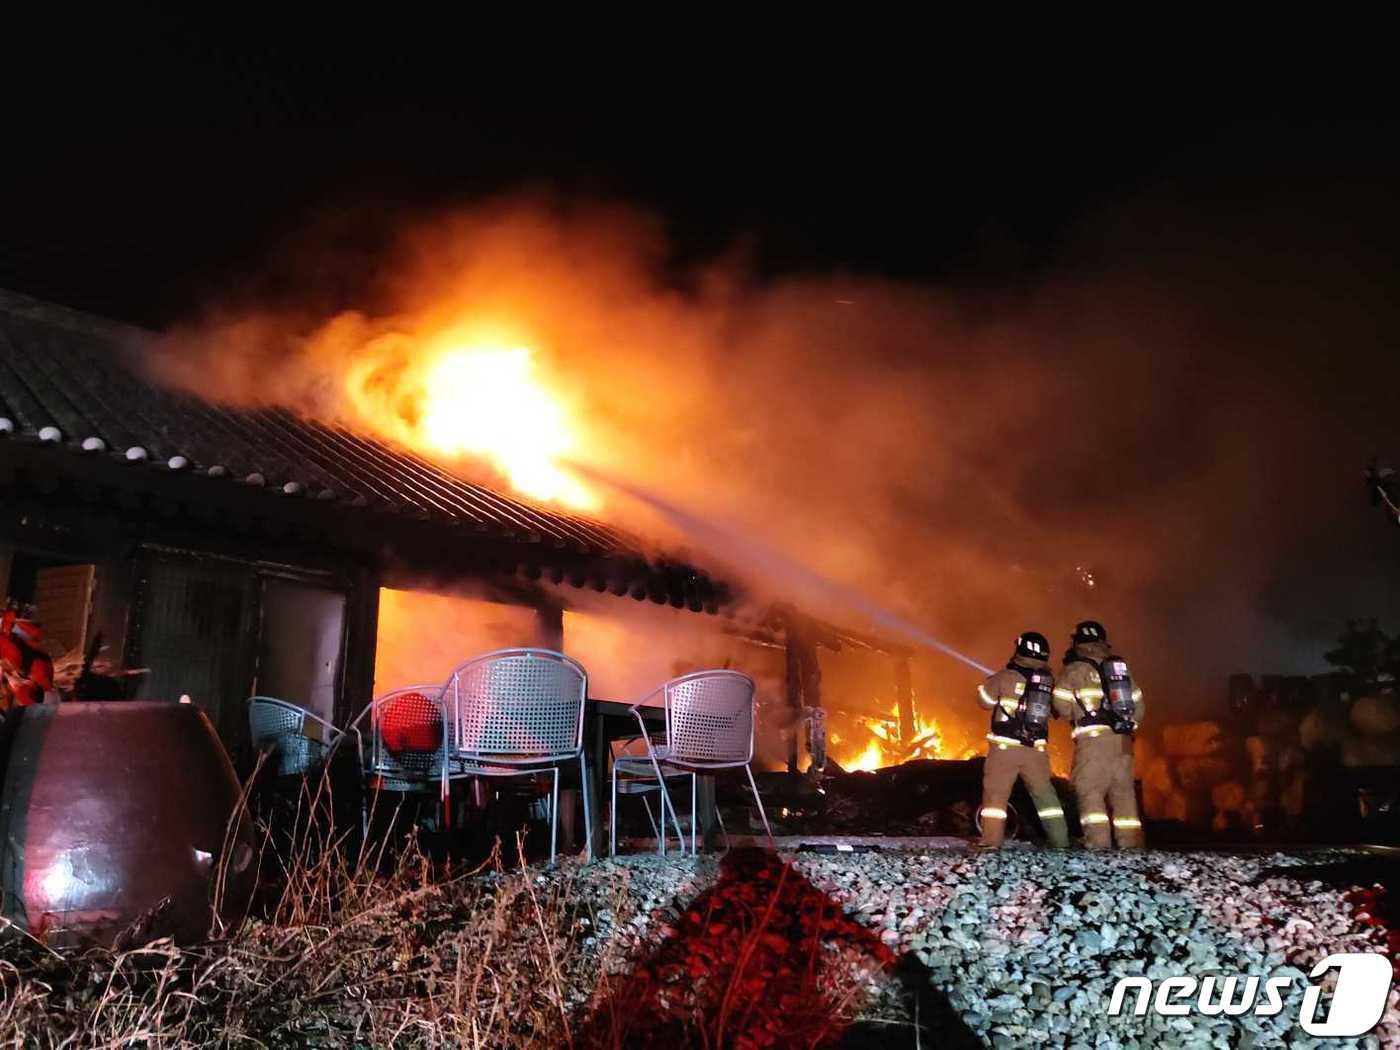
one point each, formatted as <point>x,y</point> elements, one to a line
<point>190,161</point>
<point>247,165</point>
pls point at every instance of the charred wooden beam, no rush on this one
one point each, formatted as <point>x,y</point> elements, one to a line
<point>904,694</point>
<point>803,680</point>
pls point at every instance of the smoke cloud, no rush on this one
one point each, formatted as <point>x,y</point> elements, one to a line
<point>1180,407</point>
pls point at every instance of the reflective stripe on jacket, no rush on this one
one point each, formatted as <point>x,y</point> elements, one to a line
<point>1078,687</point>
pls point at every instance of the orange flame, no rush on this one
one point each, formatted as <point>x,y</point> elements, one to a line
<point>872,758</point>
<point>486,401</point>
<point>884,747</point>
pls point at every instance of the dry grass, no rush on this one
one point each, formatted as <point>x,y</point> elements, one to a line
<point>346,953</point>
<point>380,947</point>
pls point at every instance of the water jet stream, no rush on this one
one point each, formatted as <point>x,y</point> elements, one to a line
<point>742,550</point>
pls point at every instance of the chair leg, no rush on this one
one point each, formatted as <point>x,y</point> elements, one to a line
<point>445,794</point>
<point>759,799</point>
<point>719,816</point>
<point>650,819</point>
<point>675,816</point>
<point>554,818</point>
<point>368,808</point>
<point>612,817</point>
<point>658,829</point>
<point>587,819</point>
<point>662,798</point>
<point>665,798</point>
<point>694,814</point>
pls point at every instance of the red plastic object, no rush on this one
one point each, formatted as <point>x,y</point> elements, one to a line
<point>410,722</point>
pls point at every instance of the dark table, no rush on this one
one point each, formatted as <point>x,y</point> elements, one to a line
<point>603,722</point>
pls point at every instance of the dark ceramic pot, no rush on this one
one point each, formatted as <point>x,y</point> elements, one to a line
<point>115,823</point>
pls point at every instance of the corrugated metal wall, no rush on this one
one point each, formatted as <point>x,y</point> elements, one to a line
<point>195,628</point>
<point>219,629</point>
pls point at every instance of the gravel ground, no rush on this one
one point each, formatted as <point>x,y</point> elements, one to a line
<point>1025,946</point>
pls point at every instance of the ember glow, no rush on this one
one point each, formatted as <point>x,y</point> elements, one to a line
<point>483,401</point>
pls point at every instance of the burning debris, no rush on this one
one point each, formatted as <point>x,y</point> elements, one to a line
<point>885,743</point>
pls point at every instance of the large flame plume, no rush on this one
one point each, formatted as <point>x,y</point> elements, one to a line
<point>944,452</point>
<point>452,397</point>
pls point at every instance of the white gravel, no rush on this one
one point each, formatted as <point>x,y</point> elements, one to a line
<point>1027,945</point>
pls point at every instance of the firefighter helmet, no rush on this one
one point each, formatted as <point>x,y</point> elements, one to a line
<point>1089,631</point>
<point>1033,646</point>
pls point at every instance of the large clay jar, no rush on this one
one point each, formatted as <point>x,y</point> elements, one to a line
<point>116,823</point>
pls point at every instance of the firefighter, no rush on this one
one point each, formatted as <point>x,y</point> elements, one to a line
<point>1096,693</point>
<point>1020,699</point>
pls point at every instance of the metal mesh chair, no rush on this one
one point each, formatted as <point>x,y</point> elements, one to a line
<point>406,744</point>
<point>709,726</point>
<point>299,741</point>
<point>407,738</point>
<point>519,712</point>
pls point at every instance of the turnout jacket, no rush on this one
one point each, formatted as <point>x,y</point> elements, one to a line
<point>1079,684</point>
<point>1006,687</point>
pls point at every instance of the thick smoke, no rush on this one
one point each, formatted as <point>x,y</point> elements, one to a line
<point>1181,406</point>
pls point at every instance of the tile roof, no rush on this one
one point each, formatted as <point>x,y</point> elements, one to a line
<point>66,380</point>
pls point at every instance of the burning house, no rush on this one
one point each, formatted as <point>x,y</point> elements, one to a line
<point>229,551</point>
<point>226,551</point>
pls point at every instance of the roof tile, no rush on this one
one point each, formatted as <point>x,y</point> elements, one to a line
<point>63,370</point>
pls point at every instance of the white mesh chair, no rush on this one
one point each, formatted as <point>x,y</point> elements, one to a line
<point>298,740</point>
<point>407,741</point>
<point>709,726</point>
<point>519,712</point>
